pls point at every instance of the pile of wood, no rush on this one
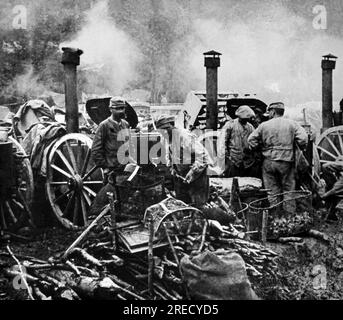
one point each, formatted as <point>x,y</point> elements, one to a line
<point>95,266</point>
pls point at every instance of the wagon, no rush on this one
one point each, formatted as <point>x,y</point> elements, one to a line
<point>16,184</point>
<point>60,160</point>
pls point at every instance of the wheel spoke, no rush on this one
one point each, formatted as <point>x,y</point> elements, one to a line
<point>78,155</point>
<point>76,209</point>
<point>84,210</point>
<point>93,182</point>
<point>332,145</point>
<point>85,195</point>
<point>327,152</point>
<point>62,195</point>
<point>70,202</point>
<point>327,161</point>
<point>85,164</point>
<point>18,204</point>
<point>58,183</point>
<point>72,157</point>
<point>340,141</point>
<point>90,172</point>
<point>27,211</point>
<point>2,217</point>
<point>10,211</point>
<point>61,171</point>
<point>65,161</point>
<point>90,191</point>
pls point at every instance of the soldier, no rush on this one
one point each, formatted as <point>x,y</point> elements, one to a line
<point>277,137</point>
<point>106,143</point>
<point>109,137</point>
<point>233,141</point>
<point>189,160</point>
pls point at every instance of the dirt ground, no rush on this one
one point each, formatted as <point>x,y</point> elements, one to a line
<point>312,269</point>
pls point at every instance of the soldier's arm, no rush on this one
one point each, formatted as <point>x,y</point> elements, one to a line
<point>255,138</point>
<point>300,136</point>
<point>227,138</point>
<point>221,144</point>
<point>98,149</point>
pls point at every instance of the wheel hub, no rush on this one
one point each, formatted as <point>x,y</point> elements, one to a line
<point>76,182</point>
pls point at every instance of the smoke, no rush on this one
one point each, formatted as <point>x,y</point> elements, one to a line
<point>110,55</point>
<point>268,47</point>
<point>25,86</point>
<point>273,52</point>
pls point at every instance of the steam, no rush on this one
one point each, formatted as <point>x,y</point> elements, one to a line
<point>110,55</point>
<point>26,85</point>
<point>273,53</point>
<point>267,50</point>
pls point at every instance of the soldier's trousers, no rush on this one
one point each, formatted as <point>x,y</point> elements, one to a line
<point>197,192</point>
<point>279,177</point>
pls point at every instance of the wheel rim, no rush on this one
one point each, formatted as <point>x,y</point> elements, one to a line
<point>330,145</point>
<point>72,179</point>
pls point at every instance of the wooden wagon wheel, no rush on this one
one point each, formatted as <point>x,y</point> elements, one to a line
<point>330,145</point>
<point>72,179</point>
<point>16,208</point>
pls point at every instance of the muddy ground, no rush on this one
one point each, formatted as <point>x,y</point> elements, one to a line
<point>312,269</point>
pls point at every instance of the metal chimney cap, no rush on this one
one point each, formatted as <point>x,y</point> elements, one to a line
<point>71,56</point>
<point>329,57</point>
<point>72,50</point>
<point>212,53</point>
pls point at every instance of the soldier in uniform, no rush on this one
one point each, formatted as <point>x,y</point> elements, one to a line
<point>110,136</point>
<point>189,162</point>
<point>277,137</point>
<point>233,141</point>
<point>106,142</point>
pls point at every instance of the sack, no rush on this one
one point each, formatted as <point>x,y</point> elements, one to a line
<point>219,275</point>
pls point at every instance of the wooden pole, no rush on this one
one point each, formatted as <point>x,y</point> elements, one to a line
<point>113,219</point>
<point>151,255</point>
<point>84,233</point>
<point>264,227</point>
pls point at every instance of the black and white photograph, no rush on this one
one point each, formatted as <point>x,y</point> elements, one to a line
<point>166,155</point>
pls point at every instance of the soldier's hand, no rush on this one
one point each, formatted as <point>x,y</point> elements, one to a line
<point>189,177</point>
<point>106,173</point>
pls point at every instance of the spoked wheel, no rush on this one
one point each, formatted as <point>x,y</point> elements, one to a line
<point>72,180</point>
<point>15,209</point>
<point>330,145</point>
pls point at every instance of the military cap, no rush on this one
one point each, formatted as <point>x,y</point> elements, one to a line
<point>245,112</point>
<point>117,101</point>
<point>164,120</point>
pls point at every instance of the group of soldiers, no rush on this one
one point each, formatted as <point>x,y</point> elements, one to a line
<point>267,151</point>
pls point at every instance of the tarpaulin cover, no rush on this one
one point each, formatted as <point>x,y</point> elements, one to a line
<point>37,140</point>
